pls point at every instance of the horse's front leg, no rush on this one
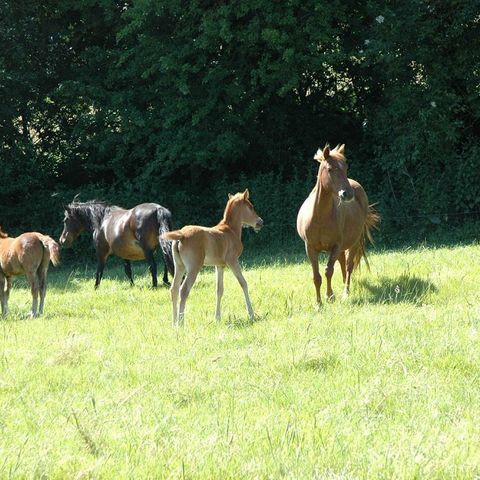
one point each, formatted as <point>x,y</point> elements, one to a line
<point>317,278</point>
<point>237,271</point>
<point>103,252</point>
<point>334,254</point>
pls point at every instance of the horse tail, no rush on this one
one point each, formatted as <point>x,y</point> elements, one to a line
<point>164,218</point>
<point>175,235</point>
<point>52,246</point>
<point>372,220</point>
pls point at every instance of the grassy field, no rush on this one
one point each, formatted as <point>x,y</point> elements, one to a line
<point>382,385</point>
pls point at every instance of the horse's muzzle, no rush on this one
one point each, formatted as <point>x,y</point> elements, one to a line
<point>64,243</point>
<point>258,225</point>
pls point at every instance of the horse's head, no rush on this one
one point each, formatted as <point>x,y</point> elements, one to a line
<point>72,227</point>
<point>333,172</point>
<point>244,208</point>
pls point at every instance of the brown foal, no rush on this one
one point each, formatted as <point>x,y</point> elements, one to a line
<point>28,254</point>
<point>194,246</point>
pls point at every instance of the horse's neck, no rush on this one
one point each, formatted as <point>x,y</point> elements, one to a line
<point>233,222</point>
<point>91,221</point>
<point>323,203</point>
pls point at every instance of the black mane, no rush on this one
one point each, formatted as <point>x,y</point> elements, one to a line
<point>90,213</point>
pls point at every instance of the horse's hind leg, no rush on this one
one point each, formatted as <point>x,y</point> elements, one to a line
<point>3,293</point>
<point>127,266</point>
<point>185,290</point>
<point>350,267</point>
<point>165,274</point>
<point>334,255</point>
<point>177,281</point>
<point>152,265</point>
<point>42,276</point>
<point>317,278</point>
<point>34,281</point>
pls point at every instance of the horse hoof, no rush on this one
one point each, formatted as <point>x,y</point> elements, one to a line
<point>331,298</point>
<point>167,284</point>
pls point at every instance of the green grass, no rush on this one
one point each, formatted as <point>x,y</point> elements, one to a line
<point>382,385</point>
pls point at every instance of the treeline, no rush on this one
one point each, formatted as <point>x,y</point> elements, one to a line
<point>181,102</point>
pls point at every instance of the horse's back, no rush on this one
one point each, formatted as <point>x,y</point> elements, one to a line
<point>24,252</point>
<point>205,244</point>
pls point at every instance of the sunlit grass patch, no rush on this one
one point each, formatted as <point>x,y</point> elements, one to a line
<point>383,384</point>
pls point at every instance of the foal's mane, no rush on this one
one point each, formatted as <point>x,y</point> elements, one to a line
<point>90,213</point>
<point>230,204</point>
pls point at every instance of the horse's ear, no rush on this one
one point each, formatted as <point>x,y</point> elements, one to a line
<point>341,149</point>
<point>230,196</point>
<point>76,198</point>
<point>318,156</point>
<point>246,194</point>
<point>326,151</point>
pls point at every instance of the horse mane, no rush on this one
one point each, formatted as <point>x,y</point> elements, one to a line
<point>3,234</point>
<point>90,213</point>
<point>229,207</point>
<point>334,152</point>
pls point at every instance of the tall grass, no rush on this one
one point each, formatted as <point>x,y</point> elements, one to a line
<point>382,385</point>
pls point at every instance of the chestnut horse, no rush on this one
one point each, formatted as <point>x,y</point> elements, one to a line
<point>28,254</point>
<point>194,246</point>
<point>335,218</point>
<point>130,234</point>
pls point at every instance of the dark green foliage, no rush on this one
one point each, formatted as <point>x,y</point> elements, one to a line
<point>181,102</point>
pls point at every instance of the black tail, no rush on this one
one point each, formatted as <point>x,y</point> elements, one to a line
<point>165,225</point>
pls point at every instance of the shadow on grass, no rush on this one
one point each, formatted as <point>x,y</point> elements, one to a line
<point>401,289</point>
<point>319,364</point>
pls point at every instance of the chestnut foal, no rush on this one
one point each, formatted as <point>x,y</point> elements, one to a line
<point>194,246</point>
<point>28,254</point>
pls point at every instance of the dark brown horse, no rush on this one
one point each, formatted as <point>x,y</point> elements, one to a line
<point>129,234</point>
<point>29,255</point>
<point>335,218</point>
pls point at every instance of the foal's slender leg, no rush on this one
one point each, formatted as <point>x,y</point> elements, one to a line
<point>3,293</point>
<point>35,287</point>
<point>127,266</point>
<point>237,271</point>
<point>185,290</point>
<point>317,278</point>
<point>42,275</point>
<point>7,293</point>
<point>219,271</point>
<point>175,289</point>
<point>334,253</point>
<point>177,281</point>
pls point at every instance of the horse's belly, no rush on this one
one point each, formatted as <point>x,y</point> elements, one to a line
<point>129,250</point>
